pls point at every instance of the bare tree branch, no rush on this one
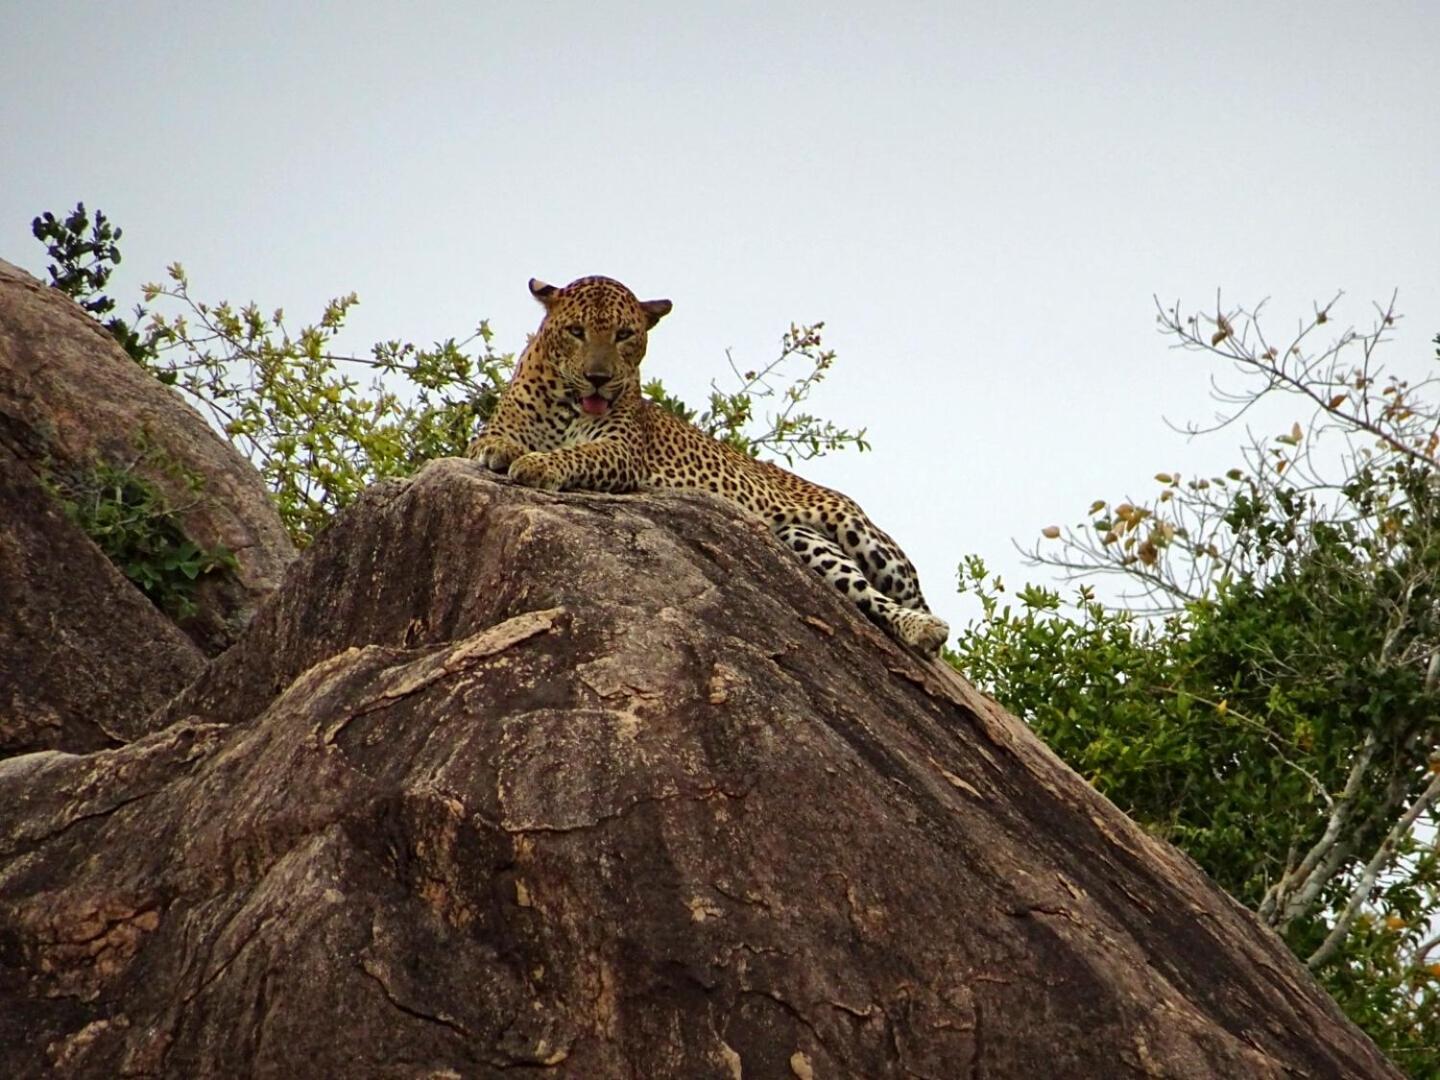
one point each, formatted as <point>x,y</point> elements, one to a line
<point>1278,907</point>
<point>1368,876</point>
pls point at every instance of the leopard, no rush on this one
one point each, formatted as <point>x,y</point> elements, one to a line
<point>574,416</point>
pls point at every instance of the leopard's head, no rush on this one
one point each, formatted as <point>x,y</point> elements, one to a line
<point>594,334</point>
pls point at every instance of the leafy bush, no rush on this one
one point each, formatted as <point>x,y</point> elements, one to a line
<point>293,405</point>
<point>141,532</point>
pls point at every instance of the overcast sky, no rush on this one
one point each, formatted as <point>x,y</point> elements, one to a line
<point>979,200</point>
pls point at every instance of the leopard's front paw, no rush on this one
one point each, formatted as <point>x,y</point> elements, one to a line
<point>921,629</point>
<point>495,451</point>
<point>536,469</point>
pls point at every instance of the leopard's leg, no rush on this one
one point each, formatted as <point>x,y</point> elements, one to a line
<point>603,465</point>
<point>823,555</point>
<point>526,418</point>
<point>884,564</point>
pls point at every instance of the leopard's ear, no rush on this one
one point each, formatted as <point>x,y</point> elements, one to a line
<point>655,310</point>
<point>543,292</point>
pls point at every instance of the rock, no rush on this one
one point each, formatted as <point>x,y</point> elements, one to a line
<point>84,657</point>
<point>508,782</point>
<point>70,397</point>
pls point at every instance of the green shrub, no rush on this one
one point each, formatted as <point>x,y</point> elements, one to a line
<point>141,532</point>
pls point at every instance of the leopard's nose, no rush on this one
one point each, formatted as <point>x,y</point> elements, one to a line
<point>597,378</point>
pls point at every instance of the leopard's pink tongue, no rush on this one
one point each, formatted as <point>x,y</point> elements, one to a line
<point>595,405</point>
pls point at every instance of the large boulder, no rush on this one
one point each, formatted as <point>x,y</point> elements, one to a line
<point>71,399</point>
<point>512,783</point>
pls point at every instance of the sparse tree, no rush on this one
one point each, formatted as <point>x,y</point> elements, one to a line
<point>1266,694</point>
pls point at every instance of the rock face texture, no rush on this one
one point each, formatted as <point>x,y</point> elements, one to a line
<point>70,397</point>
<point>506,782</point>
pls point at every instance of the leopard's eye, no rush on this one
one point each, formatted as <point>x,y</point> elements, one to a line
<point>623,333</point>
<point>576,331</point>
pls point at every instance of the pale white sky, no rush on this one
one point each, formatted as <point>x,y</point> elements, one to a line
<point>978,199</point>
